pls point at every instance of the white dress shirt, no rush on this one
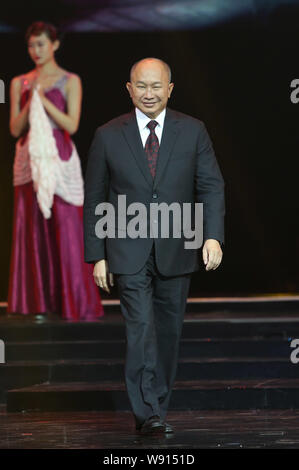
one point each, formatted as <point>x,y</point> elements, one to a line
<point>143,120</point>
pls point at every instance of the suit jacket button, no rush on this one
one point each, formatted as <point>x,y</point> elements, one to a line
<point>155,195</point>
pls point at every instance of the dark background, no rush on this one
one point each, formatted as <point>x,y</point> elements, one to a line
<point>234,75</point>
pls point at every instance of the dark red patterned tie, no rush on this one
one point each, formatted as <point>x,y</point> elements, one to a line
<point>152,147</point>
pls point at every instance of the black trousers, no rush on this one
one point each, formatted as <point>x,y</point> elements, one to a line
<point>153,307</point>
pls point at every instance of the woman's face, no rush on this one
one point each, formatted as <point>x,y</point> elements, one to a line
<point>41,49</point>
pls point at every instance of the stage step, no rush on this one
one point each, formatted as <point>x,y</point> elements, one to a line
<point>217,346</point>
<point>113,327</point>
<point>111,349</point>
<point>186,395</point>
<point>90,370</point>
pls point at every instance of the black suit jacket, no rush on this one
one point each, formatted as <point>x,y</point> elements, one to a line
<point>187,171</point>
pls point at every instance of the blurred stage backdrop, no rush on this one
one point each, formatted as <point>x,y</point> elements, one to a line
<point>232,62</point>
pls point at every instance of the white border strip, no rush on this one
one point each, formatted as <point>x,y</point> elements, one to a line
<point>195,300</point>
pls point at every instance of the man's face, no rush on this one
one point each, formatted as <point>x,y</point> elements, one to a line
<point>150,88</point>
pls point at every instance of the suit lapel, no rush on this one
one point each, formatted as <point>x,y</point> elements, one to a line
<point>169,135</point>
<point>132,135</point>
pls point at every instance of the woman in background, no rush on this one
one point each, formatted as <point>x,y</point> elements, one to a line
<point>47,269</point>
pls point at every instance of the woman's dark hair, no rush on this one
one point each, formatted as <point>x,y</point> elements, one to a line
<point>39,27</point>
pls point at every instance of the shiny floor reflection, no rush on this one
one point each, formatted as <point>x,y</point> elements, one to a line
<point>108,430</point>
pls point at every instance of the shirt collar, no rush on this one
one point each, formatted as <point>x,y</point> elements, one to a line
<point>143,119</point>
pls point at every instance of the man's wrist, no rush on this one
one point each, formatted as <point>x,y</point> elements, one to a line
<point>102,259</point>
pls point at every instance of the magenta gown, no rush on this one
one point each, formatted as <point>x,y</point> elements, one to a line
<point>47,269</point>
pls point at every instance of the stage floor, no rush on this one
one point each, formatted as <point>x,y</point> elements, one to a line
<point>229,429</point>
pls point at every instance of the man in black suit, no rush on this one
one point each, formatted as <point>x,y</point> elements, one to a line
<point>151,155</point>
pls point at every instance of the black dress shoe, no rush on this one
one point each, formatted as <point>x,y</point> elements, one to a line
<point>168,428</point>
<point>151,425</point>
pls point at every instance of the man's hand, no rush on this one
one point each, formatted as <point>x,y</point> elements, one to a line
<point>100,274</point>
<point>212,254</point>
